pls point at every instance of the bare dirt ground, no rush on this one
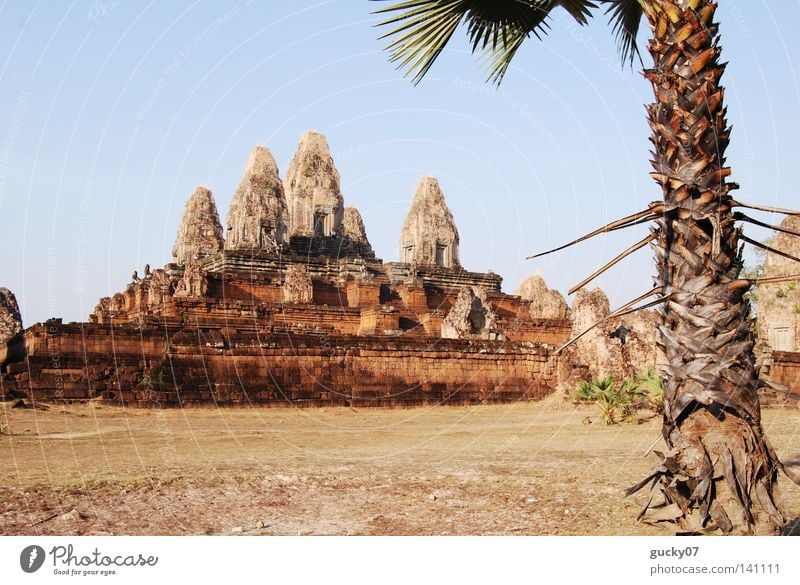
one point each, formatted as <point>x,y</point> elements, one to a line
<point>527,468</point>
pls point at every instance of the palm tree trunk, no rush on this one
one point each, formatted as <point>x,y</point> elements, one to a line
<point>719,472</point>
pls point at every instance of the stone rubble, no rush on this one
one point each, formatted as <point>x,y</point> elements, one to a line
<point>545,303</point>
<point>470,317</point>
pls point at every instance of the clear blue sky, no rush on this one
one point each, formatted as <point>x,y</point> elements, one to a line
<point>111,112</point>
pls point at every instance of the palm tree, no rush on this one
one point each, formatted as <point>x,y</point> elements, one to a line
<point>719,472</point>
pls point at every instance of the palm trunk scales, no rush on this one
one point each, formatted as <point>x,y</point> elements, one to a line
<point>719,473</point>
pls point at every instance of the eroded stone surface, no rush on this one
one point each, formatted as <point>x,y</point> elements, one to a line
<point>200,231</point>
<point>10,318</point>
<point>258,218</point>
<point>353,226</point>
<point>194,282</point>
<point>101,311</point>
<point>297,288</point>
<point>545,303</point>
<point>470,317</point>
<point>429,236</point>
<point>316,205</point>
<point>620,347</point>
<point>159,288</point>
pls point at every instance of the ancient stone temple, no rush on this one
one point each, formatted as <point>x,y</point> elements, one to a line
<point>316,205</point>
<point>257,218</point>
<point>429,236</point>
<point>306,318</point>
<point>200,232</point>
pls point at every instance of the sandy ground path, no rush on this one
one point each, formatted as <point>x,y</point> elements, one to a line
<point>528,468</point>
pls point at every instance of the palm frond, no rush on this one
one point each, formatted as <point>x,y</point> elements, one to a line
<point>496,28</point>
<point>626,16</point>
<point>579,10</point>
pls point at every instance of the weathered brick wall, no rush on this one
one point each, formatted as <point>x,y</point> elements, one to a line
<point>158,366</point>
<point>785,371</point>
<point>363,295</point>
<point>257,288</point>
<point>550,331</point>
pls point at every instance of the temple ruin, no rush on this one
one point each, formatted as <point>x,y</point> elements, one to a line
<point>778,304</point>
<point>291,306</point>
<point>778,315</point>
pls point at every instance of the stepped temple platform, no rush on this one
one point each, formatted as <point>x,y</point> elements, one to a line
<point>289,306</point>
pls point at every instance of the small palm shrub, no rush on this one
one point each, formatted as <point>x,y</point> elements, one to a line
<point>652,384</point>
<point>616,401</point>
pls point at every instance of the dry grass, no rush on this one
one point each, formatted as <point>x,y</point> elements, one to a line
<point>532,468</point>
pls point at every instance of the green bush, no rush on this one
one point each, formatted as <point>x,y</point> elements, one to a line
<point>653,386</point>
<point>617,402</point>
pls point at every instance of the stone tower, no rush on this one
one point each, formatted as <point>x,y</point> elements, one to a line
<point>316,205</point>
<point>353,226</point>
<point>257,218</point>
<point>200,232</point>
<point>429,236</point>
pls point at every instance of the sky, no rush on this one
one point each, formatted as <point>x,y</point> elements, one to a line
<point>113,111</point>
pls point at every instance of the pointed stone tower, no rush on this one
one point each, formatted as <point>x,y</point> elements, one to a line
<point>200,232</point>
<point>429,236</point>
<point>353,226</point>
<point>257,218</point>
<point>316,205</point>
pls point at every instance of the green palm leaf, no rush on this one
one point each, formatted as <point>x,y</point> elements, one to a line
<point>496,28</point>
<point>626,15</point>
